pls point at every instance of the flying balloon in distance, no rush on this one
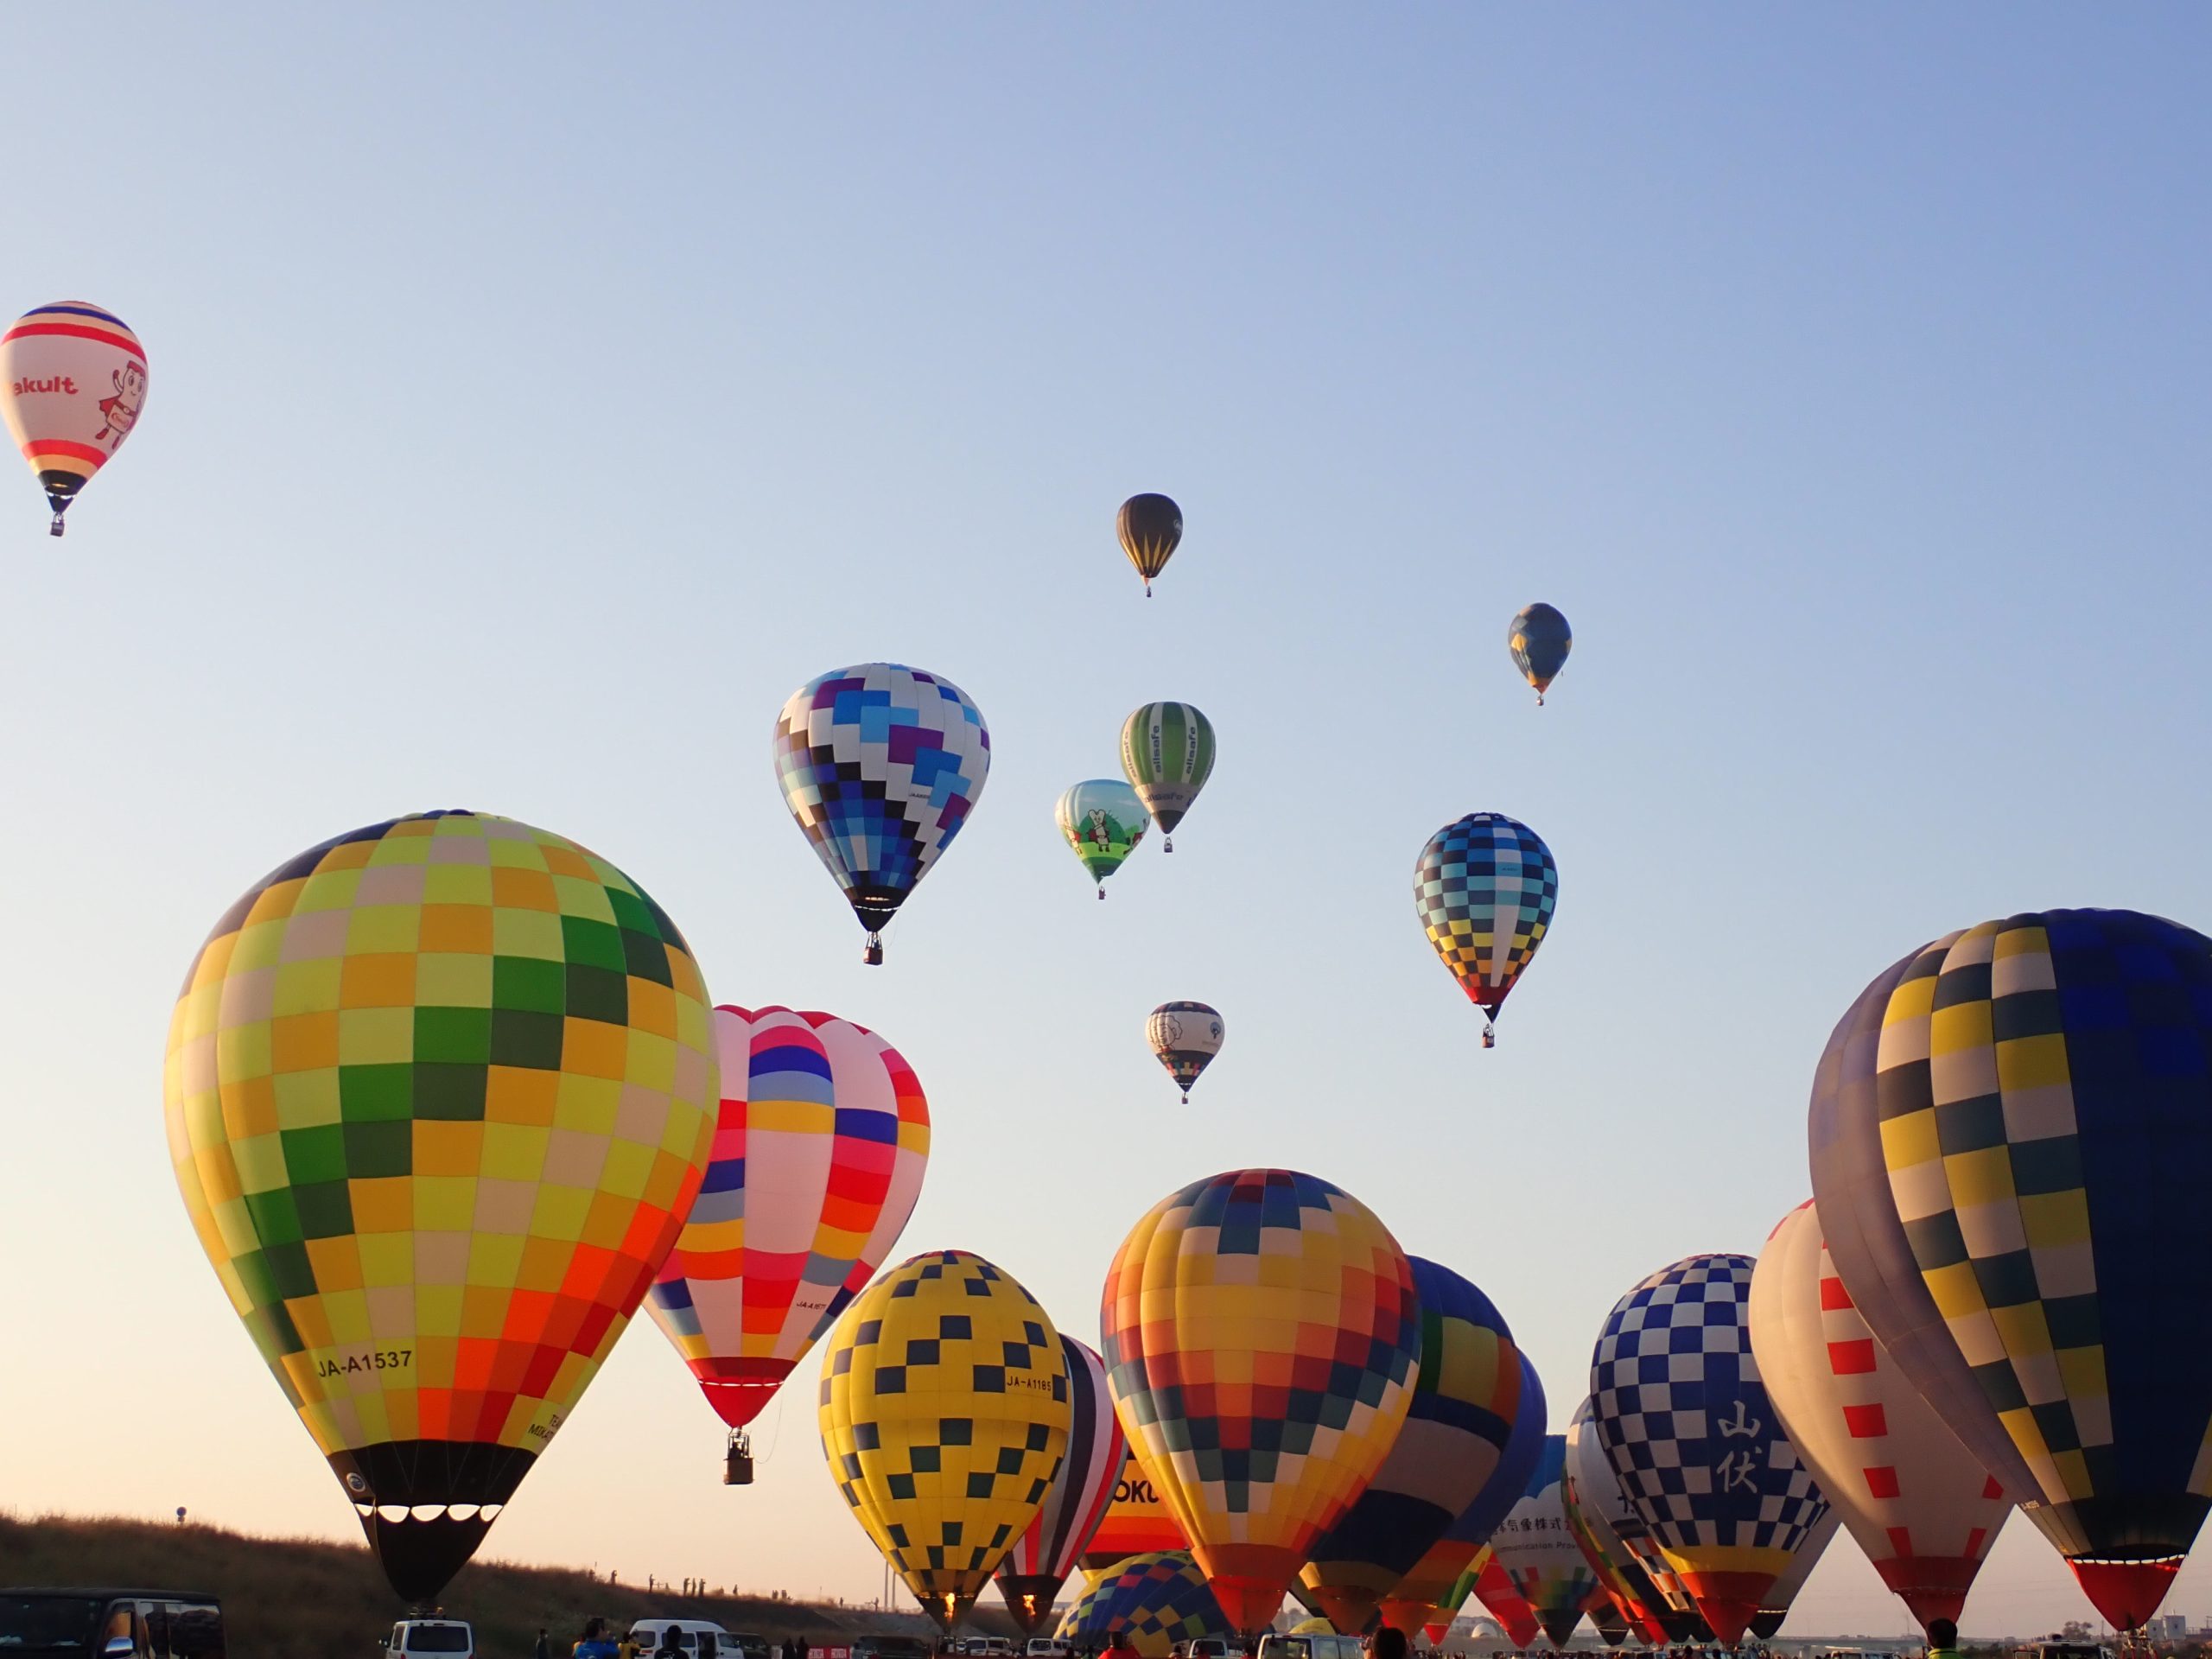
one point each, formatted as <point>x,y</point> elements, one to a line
<point>1539,640</point>
<point>73,384</point>
<point>1184,1037</point>
<point>1103,820</point>
<point>820,1143</point>
<point>1167,754</point>
<point>945,1416</point>
<point>1485,888</point>
<point>440,1093</point>
<point>880,765</point>
<point>1151,528</point>
<point>2012,1138</point>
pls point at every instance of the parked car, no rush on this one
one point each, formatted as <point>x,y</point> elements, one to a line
<point>699,1638</point>
<point>110,1623</point>
<point>748,1642</point>
<point>432,1638</point>
<point>1202,1647</point>
<point>1047,1647</point>
<point>1308,1647</point>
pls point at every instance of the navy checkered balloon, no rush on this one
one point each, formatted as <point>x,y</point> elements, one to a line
<point>1686,1423</point>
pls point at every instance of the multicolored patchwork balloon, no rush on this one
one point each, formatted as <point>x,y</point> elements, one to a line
<point>1152,1601</point>
<point>1103,820</point>
<point>73,385</point>
<point>1151,528</point>
<point>1261,1335</point>
<point>1920,1506</point>
<point>1536,1547</point>
<point>1485,888</point>
<point>1467,1396</point>
<point>440,1093</point>
<point>1167,754</point>
<point>880,764</point>
<point>1539,640</point>
<point>1494,1588</point>
<point>1047,1549</point>
<point>820,1146</point>
<point>1597,1511</point>
<point>1700,1449</point>
<point>945,1416</point>
<point>1184,1037</point>
<point>2012,1137</point>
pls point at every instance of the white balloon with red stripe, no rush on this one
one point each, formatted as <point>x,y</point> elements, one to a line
<point>1922,1508</point>
<point>73,385</point>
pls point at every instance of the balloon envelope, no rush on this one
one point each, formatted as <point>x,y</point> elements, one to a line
<point>1046,1550</point>
<point>1261,1334</point>
<point>1151,528</point>
<point>1539,640</point>
<point>945,1416</point>
<point>1167,755</point>
<point>1536,1547</point>
<point>819,1147</point>
<point>1102,821</point>
<point>1485,889</point>
<point>1697,1447</point>
<point>2011,1135</point>
<point>1184,1037</point>
<point>1466,1397</point>
<point>1154,1601</point>
<point>1920,1506</point>
<point>1494,1589</point>
<point>439,1093</point>
<point>1136,1522</point>
<point>1774,1606</point>
<point>1598,1512</point>
<point>73,384</point>
<point>880,765</point>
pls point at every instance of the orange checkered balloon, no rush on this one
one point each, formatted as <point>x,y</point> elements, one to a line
<point>440,1094</point>
<point>1262,1336</point>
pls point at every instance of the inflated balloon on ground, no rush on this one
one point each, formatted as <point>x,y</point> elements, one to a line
<point>1485,888</point>
<point>1154,1601</point>
<point>1920,1505</point>
<point>1535,1546</point>
<point>1046,1551</point>
<point>880,764</point>
<point>2012,1138</point>
<point>1136,1523</point>
<point>820,1140</point>
<point>1699,1448</point>
<point>1261,1335</point>
<point>73,385</point>
<point>439,1092</point>
<point>945,1416</point>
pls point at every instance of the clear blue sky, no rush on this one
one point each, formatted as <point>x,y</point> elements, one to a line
<point>539,395</point>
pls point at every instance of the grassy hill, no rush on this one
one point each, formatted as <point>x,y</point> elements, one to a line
<point>301,1598</point>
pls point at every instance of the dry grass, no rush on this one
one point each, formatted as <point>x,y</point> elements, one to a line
<point>298,1599</point>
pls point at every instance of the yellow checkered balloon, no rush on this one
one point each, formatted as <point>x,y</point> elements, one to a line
<point>945,1416</point>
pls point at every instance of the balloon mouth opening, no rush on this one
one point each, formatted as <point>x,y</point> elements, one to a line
<point>2127,1593</point>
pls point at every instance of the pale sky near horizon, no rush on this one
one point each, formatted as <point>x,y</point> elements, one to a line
<point>538,395</point>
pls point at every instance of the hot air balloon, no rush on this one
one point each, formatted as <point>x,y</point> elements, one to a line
<point>1445,1610</point>
<point>819,1148</point>
<point>1536,1547</point>
<point>1597,1510</point>
<point>1774,1606</point>
<point>1539,640</point>
<point>1466,1397</point>
<point>1184,1037</point>
<point>1688,1429</point>
<point>1167,754</point>
<point>1259,1404</point>
<point>945,1416</point>
<point>1606,1619</point>
<point>439,1092</point>
<point>1485,888</point>
<point>1434,1585</point>
<point>73,384</point>
<point>1046,1550</point>
<point>1919,1504</point>
<point>880,764</point>
<point>1151,528</point>
<point>1136,1523</point>
<point>1154,1601</point>
<point>1103,821</point>
<point>2011,1135</point>
<point>1494,1589</point>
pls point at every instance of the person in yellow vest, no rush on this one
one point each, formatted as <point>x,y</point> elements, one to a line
<point>1942,1639</point>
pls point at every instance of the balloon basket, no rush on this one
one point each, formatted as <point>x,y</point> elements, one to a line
<point>57,526</point>
<point>737,1461</point>
<point>1490,1036</point>
<point>872,953</point>
<point>1102,895</point>
<point>1167,843</point>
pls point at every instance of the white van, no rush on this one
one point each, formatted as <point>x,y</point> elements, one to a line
<point>696,1638</point>
<point>432,1638</point>
<point>1309,1647</point>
